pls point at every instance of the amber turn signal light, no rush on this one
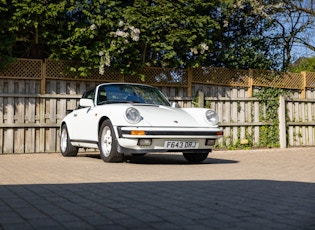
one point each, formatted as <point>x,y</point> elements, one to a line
<point>220,133</point>
<point>137,132</point>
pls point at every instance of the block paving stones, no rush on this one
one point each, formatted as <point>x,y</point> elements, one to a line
<point>243,189</point>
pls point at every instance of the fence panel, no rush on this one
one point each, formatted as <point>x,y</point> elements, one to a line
<point>30,123</point>
<point>219,91</point>
<point>301,122</point>
<point>239,118</point>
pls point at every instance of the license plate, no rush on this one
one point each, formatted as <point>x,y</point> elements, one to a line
<point>181,144</point>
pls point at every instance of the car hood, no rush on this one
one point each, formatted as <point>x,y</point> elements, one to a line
<point>168,116</point>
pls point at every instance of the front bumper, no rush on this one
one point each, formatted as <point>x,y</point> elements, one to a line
<point>128,138</point>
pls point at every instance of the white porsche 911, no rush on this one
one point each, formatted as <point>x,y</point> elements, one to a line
<point>124,118</point>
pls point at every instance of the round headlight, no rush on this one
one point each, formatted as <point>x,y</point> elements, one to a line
<point>212,117</point>
<point>132,115</point>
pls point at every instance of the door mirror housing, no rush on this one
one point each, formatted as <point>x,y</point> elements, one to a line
<point>84,102</point>
<point>174,105</point>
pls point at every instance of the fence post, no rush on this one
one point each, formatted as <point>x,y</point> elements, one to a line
<point>303,93</point>
<point>201,99</point>
<point>43,78</point>
<point>121,78</point>
<point>190,77</point>
<point>282,123</point>
<point>250,83</point>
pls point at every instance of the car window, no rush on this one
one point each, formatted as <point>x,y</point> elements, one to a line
<point>89,94</point>
<point>101,96</point>
<point>123,93</point>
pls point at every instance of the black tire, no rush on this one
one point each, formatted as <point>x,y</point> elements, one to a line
<point>107,143</point>
<point>195,157</point>
<point>66,148</point>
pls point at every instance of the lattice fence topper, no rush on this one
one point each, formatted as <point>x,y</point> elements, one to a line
<point>221,76</point>
<point>53,69</point>
<point>61,70</point>
<point>277,79</point>
<point>310,80</point>
<point>24,68</point>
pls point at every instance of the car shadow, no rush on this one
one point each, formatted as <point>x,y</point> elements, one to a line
<point>171,159</point>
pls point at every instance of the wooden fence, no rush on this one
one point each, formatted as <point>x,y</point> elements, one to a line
<point>30,123</point>
<point>34,97</point>
<point>241,120</point>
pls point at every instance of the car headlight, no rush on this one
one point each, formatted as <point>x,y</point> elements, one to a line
<point>212,117</point>
<point>132,115</point>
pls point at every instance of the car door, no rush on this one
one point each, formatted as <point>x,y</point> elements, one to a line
<point>86,124</point>
<point>85,121</point>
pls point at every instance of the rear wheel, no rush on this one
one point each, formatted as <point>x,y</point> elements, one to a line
<point>66,148</point>
<point>108,144</point>
<point>195,157</point>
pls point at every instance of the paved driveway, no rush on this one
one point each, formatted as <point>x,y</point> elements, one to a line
<point>254,189</point>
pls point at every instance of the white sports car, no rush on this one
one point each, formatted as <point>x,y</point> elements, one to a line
<point>124,118</point>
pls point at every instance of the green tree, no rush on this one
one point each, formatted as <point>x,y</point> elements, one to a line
<point>131,34</point>
<point>303,64</point>
<point>30,20</point>
<point>84,30</point>
<point>127,35</point>
<point>172,33</point>
<point>6,38</point>
<point>241,41</point>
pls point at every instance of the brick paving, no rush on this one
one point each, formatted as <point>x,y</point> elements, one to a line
<point>252,189</point>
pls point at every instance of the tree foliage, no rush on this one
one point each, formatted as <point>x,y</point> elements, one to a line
<point>303,64</point>
<point>130,34</point>
<point>6,38</point>
<point>241,41</point>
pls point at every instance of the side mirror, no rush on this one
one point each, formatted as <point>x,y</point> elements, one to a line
<point>84,102</point>
<point>174,105</point>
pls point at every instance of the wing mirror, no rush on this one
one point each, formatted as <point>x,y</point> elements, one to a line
<point>84,102</point>
<point>174,105</point>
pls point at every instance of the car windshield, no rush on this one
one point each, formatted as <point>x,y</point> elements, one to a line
<point>128,93</point>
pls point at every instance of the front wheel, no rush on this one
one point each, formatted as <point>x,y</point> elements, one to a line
<point>66,148</point>
<point>195,157</point>
<point>107,143</point>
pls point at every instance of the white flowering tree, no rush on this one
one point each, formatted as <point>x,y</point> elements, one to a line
<point>122,42</point>
<point>172,33</point>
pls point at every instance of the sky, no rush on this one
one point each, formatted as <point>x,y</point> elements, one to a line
<point>300,52</point>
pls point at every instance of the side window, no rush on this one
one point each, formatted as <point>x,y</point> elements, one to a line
<point>89,94</point>
<point>101,96</point>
